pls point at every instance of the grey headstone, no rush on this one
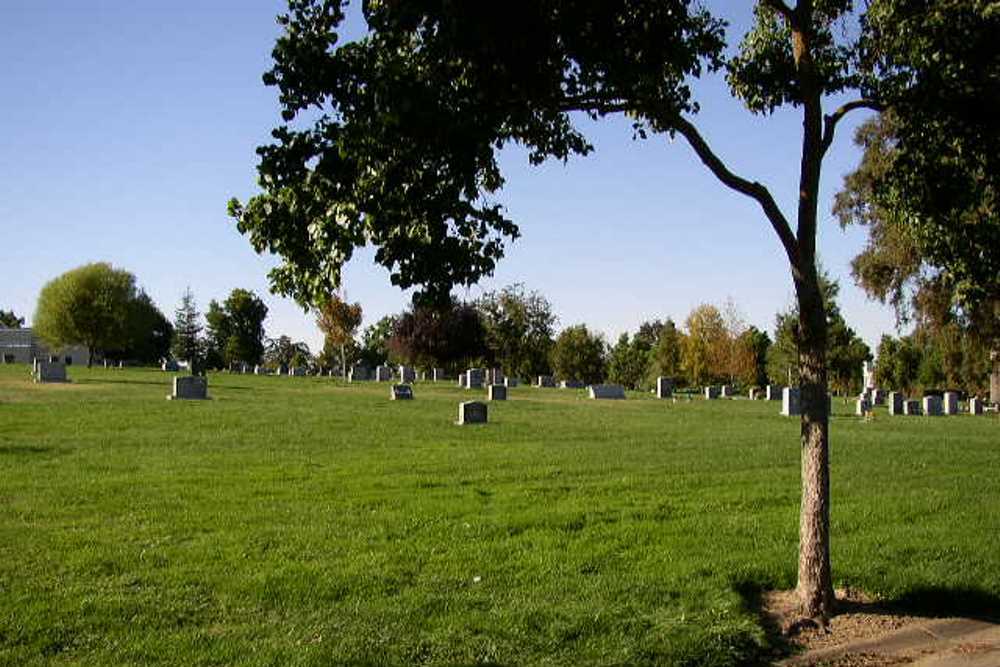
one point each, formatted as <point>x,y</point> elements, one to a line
<point>773,393</point>
<point>932,406</point>
<point>607,391</point>
<point>895,402</point>
<point>510,382</point>
<point>571,384</point>
<point>48,371</point>
<point>711,393</point>
<point>189,387</point>
<point>877,396</point>
<point>726,391</point>
<point>862,406</point>
<point>170,366</point>
<point>474,378</point>
<point>437,374</point>
<point>950,403</point>
<point>546,381</point>
<point>401,392</point>
<point>664,387</point>
<point>472,412</point>
<point>791,402</point>
<point>975,406</point>
<point>383,374</point>
<point>407,374</point>
<point>911,407</point>
<point>497,392</point>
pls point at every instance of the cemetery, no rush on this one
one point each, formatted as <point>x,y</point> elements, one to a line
<point>217,530</point>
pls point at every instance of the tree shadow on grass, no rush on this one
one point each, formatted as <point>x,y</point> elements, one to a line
<point>23,450</point>
<point>924,601</point>
<point>123,381</point>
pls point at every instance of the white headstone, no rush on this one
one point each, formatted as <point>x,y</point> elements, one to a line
<point>975,406</point>
<point>950,403</point>
<point>790,402</point>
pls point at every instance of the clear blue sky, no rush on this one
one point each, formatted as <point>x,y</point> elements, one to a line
<point>128,125</point>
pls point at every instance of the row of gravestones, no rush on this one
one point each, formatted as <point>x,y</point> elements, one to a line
<point>405,374</point>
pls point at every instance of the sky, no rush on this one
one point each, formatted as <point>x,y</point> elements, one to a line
<point>127,126</point>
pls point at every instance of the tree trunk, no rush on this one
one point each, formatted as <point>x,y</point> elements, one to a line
<point>815,585</point>
<point>343,362</point>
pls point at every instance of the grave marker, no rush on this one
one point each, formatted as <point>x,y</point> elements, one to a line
<point>950,403</point>
<point>471,412</point>
<point>546,381</point>
<point>401,392</point>
<point>664,387</point>
<point>932,406</point>
<point>790,402</point>
<point>497,392</point>
<point>975,406</point>
<point>607,391</point>
<point>48,371</point>
<point>189,388</point>
<point>911,407</point>
<point>711,393</point>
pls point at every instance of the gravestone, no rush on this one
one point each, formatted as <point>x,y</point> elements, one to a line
<point>877,396</point>
<point>256,370</point>
<point>911,407</point>
<point>772,392</point>
<point>462,379</point>
<point>790,402</point>
<point>753,394</point>
<point>48,371</point>
<point>546,381</point>
<point>862,406</point>
<point>170,366</point>
<point>726,391</point>
<point>383,374</point>
<point>494,376</point>
<point>664,387</point>
<point>401,392</point>
<point>407,374</point>
<point>711,393</point>
<point>497,392</point>
<point>975,406</point>
<point>189,388</point>
<point>298,371</point>
<point>895,403</point>
<point>472,412</point>
<point>571,384</point>
<point>995,378</point>
<point>437,374</point>
<point>474,378</point>
<point>950,403</point>
<point>607,391</point>
<point>932,406</point>
<point>510,382</point>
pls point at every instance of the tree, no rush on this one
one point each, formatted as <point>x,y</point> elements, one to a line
<point>89,305</point>
<point>148,332</point>
<point>705,345</point>
<point>666,355</point>
<point>339,322</point>
<point>579,354</point>
<point>9,320</point>
<point>236,329</point>
<point>406,123</point>
<point>628,361</point>
<point>757,343</point>
<point>217,333</point>
<point>435,334</point>
<point>187,343</point>
<point>519,328</point>
<point>283,352</point>
<point>374,349</point>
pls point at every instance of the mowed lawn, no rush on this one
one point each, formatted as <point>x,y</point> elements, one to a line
<point>300,521</point>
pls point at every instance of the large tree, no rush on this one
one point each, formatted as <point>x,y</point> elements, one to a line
<point>9,320</point>
<point>431,334</point>
<point>89,305</point>
<point>519,329</point>
<point>405,123</point>
<point>236,329</point>
<point>579,354</point>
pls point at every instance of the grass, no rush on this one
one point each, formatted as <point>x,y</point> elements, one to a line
<point>299,521</point>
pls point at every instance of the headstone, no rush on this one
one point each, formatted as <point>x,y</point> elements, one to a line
<point>472,412</point>
<point>950,403</point>
<point>911,407</point>
<point>790,402</point>
<point>189,387</point>
<point>121,364</point>
<point>546,381</point>
<point>401,392</point>
<point>510,382</point>
<point>753,394</point>
<point>995,378</point>
<point>170,366</point>
<point>494,376</point>
<point>256,369</point>
<point>975,406</point>
<point>895,402</point>
<point>437,374</point>
<point>474,378</point>
<point>726,391</point>
<point>664,387</point>
<point>462,379</point>
<point>297,371</point>
<point>407,374</point>
<point>862,407</point>
<point>877,396</point>
<point>571,384</point>
<point>932,406</point>
<point>711,393</point>
<point>48,371</point>
<point>607,391</point>
<point>773,392</point>
<point>497,392</point>
<point>383,374</point>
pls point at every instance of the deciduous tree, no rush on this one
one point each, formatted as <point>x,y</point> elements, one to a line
<point>579,355</point>
<point>519,328</point>
<point>10,320</point>
<point>339,322</point>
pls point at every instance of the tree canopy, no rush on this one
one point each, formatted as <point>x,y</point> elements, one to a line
<point>10,320</point>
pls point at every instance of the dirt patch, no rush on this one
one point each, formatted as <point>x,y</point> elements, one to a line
<point>858,617</point>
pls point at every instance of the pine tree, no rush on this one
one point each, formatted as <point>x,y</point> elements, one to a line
<point>187,342</point>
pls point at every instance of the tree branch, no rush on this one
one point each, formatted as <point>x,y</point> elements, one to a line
<point>779,6</point>
<point>751,189</point>
<point>831,120</point>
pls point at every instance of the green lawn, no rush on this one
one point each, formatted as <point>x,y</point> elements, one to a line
<point>298,521</point>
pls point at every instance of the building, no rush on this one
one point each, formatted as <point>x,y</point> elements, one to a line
<point>21,346</point>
